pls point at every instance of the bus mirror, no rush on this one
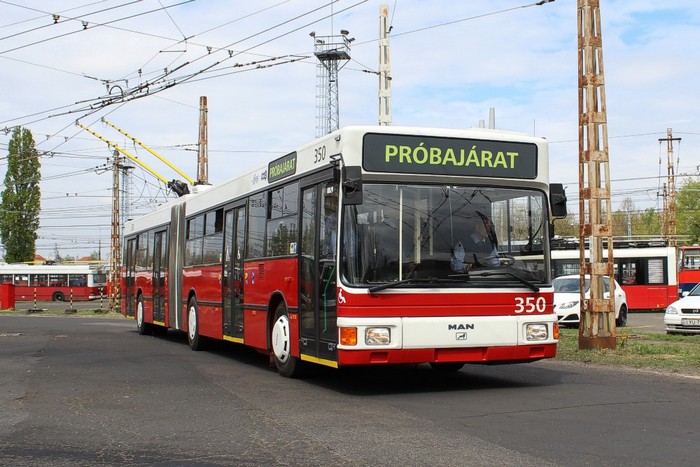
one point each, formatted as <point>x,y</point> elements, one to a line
<point>352,185</point>
<point>557,200</point>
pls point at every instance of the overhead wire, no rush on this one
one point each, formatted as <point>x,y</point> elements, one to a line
<point>88,26</point>
<point>43,13</point>
<point>56,17</point>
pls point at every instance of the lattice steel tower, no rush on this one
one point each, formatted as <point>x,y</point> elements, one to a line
<point>597,322</point>
<point>330,52</point>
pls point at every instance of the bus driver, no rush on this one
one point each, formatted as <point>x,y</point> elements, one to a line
<point>480,248</point>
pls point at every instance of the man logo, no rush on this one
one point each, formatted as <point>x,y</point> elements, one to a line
<point>461,336</point>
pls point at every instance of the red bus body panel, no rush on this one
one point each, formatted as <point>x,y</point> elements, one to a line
<point>650,297</point>
<point>513,354</point>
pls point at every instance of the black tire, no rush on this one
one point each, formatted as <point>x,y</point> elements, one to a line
<point>621,320</point>
<point>281,343</point>
<point>141,326</point>
<point>447,367</point>
<point>193,338</point>
<point>58,297</point>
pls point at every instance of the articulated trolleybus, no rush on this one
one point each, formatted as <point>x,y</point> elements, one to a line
<point>354,250</point>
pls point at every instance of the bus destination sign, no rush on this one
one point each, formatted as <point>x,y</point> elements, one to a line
<point>449,156</point>
<point>282,167</point>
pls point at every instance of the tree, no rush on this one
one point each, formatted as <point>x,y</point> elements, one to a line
<point>624,220</point>
<point>567,227</point>
<point>688,210</point>
<point>648,223</point>
<point>20,205</point>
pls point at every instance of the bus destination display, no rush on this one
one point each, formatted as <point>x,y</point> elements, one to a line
<point>449,156</point>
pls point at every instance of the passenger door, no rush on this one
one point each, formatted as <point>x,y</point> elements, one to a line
<point>130,278</point>
<point>160,264</point>
<point>317,273</point>
<point>232,279</point>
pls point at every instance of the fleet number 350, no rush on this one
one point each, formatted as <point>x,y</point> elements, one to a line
<point>530,304</point>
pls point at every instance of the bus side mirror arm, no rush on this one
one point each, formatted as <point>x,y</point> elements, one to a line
<point>352,185</point>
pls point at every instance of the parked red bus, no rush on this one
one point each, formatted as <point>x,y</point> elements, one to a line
<point>688,268</point>
<point>344,252</point>
<point>645,269</point>
<point>55,282</point>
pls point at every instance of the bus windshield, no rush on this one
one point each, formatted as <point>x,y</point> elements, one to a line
<point>467,235</point>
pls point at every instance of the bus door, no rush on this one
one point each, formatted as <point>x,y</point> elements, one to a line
<point>232,277</point>
<point>130,279</point>
<point>317,272</point>
<point>160,265</point>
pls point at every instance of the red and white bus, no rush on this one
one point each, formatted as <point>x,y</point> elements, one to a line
<point>253,260</point>
<point>688,268</point>
<point>55,282</point>
<point>645,269</point>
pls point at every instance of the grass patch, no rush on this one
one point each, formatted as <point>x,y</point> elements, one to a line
<point>660,352</point>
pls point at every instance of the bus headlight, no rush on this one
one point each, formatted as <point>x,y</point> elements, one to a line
<point>536,332</point>
<point>566,305</point>
<point>671,311</point>
<point>377,336</point>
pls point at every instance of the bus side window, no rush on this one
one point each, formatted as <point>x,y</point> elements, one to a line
<point>629,272</point>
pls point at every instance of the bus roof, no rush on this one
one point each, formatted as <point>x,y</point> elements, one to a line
<point>347,144</point>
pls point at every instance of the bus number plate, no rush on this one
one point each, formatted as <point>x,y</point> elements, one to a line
<point>691,322</point>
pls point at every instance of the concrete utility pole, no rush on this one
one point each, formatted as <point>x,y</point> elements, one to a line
<point>203,146</point>
<point>330,51</point>
<point>597,324</point>
<point>669,230</point>
<point>384,67</point>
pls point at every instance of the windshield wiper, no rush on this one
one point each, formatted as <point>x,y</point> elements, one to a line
<point>525,282</point>
<point>414,280</point>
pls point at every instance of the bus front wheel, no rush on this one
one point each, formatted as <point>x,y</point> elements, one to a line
<point>281,339</point>
<point>58,297</point>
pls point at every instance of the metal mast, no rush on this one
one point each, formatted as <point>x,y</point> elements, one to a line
<point>597,324</point>
<point>669,215</point>
<point>384,67</point>
<point>115,264</point>
<point>330,51</point>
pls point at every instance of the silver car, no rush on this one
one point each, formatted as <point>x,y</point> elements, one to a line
<point>683,316</point>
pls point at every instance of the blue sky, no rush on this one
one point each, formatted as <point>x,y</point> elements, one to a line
<point>512,56</point>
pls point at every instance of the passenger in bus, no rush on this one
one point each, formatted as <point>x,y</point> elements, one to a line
<point>479,249</point>
<point>630,279</point>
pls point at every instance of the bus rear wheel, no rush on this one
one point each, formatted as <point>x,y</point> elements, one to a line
<point>58,297</point>
<point>141,326</point>
<point>280,336</point>
<point>193,338</point>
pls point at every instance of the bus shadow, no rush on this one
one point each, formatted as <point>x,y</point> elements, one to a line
<point>401,379</point>
<point>392,379</point>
